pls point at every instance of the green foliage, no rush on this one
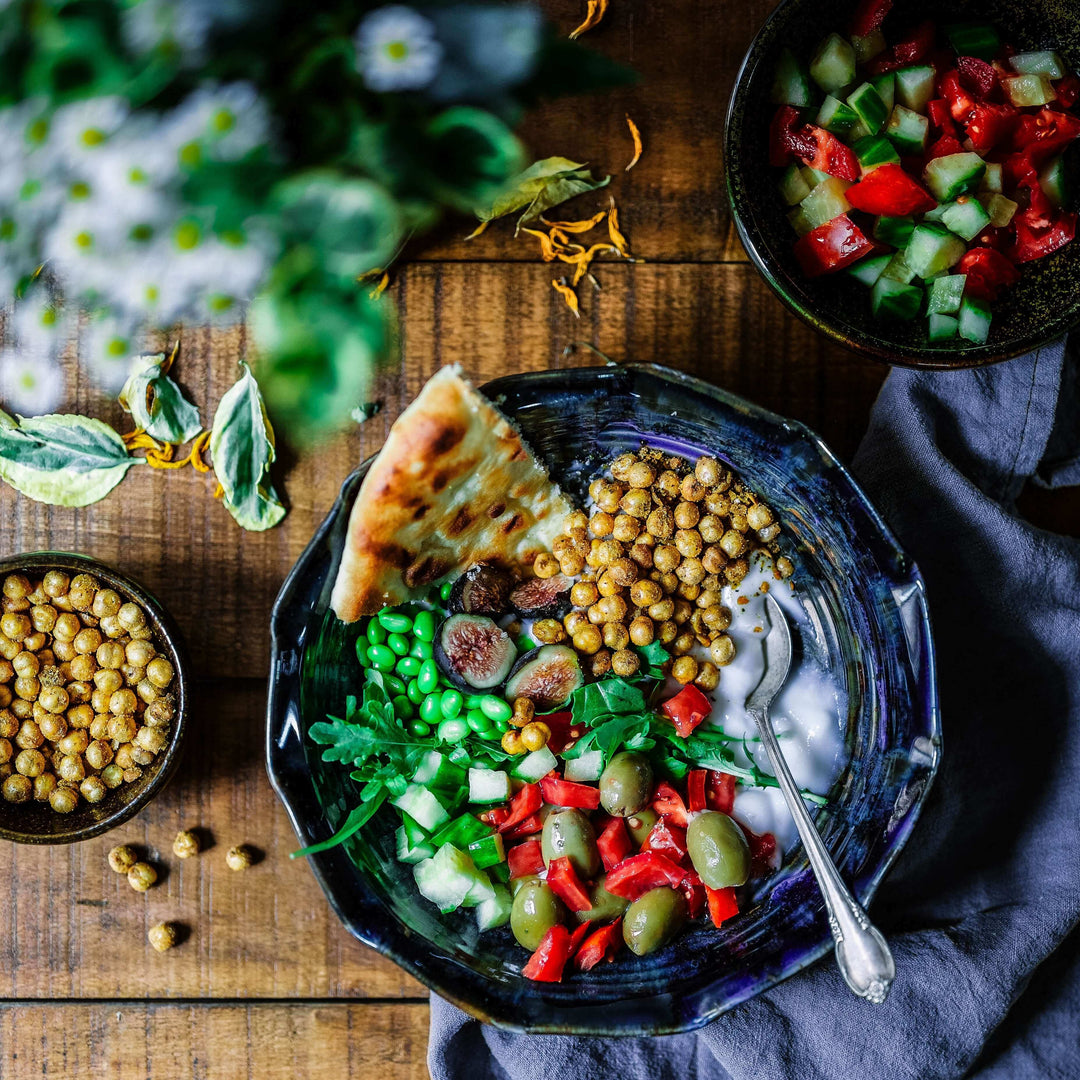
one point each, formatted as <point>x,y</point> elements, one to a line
<point>541,186</point>
<point>157,404</point>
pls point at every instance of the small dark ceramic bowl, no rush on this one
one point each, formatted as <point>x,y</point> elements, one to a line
<point>866,605</point>
<point>1046,302</point>
<point>38,823</point>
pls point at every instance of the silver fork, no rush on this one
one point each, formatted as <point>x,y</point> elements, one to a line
<point>861,952</point>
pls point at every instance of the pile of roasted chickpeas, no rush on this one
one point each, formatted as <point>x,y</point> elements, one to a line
<point>84,694</point>
<point>664,538</point>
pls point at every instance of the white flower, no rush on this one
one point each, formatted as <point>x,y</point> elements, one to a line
<point>148,24</point>
<point>79,132</point>
<point>220,122</point>
<point>31,383</point>
<point>107,347</point>
<point>396,49</point>
<point>39,322</point>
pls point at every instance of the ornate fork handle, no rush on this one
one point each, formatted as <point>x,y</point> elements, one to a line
<point>861,952</point>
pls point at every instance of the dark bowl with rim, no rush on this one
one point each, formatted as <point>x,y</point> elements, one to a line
<point>870,626</point>
<point>1044,305</point>
<point>37,823</point>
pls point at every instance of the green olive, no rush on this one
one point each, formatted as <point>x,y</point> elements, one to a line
<point>536,909</point>
<point>718,849</point>
<point>626,784</point>
<point>641,824</point>
<point>653,920</point>
<point>606,907</point>
<point>570,833</point>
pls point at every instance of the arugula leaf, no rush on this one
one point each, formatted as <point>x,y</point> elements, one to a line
<point>608,697</point>
<point>344,741</point>
<point>653,657</point>
<point>64,460</point>
<point>358,817</point>
<point>157,404</point>
<point>242,447</point>
<point>541,186</point>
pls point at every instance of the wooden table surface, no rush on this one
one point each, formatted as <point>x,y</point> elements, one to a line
<point>267,982</point>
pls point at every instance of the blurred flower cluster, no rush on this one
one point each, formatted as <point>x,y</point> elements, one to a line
<point>169,161</point>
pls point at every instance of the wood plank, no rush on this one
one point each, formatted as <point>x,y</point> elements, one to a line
<point>719,321</point>
<point>75,929</point>
<point>120,1041</point>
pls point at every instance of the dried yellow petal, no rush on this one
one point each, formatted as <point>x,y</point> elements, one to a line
<point>617,237</point>
<point>594,13</point>
<point>636,136</point>
<point>567,294</point>
<point>576,226</point>
<point>548,248</point>
<point>478,230</point>
<point>380,288</point>
<point>171,358</point>
<point>198,448</point>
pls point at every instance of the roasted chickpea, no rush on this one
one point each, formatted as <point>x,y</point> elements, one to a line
<point>636,502</point>
<point>112,776</point>
<point>132,774</point>
<point>34,642</point>
<point>141,876</point>
<point>150,739</point>
<point>687,515</point>
<point>607,551</point>
<point>707,470</point>
<point>587,640</point>
<point>607,585</point>
<point>684,643</point>
<point>735,571</point>
<point>67,626</point>
<point>574,621</point>
<point>691,488</point>
<point>666,557</point>
<point>74,742</point>
<point>30,763</point>
<point>110,626</point>
<point>122,728</point>
<point>642,554</point>
<point>584,593</point>
<point>17,788</point>
<point>21,709</point>
<point>108,680</point>
<point>645,593</point>
<point>714,559</point>
<point>601,523</point>
<point>722,650</point>
<point>122,858</point>
<point>124,755</point>
<point>640,475</point>
<point>580,539</point>
<point>716,617</point>
<point>7,671</point>
<point>70,768</point>
<point>43,617</point>
<point>29,736</point>
<point>785,567</point>
<point>99,701</point>
<point>6,750</point>
<point>642,630</point>
<point>110,655</point>
<point>576,519</point>
<point>662,610</point>
<point>17,587</point>
<point>667,632</point>
<point>82,591</point>
<point>83,668</point>
<point>26,665</point>
<point>545,566</point>
<point>93,789</point>
<point>610,495</point>
<point>99,727</point>
<point>54,728</point>
<point>523,713</point>
<point>55,583</point>
<point>600,663</point>
<point>9,726</point>
<point>63,799</point>
<point>660,523</point>
<point>759,516</point>
<point>98,754</point>
<point>625,528</point>
<point>684,669</point>
<point>667,485</point>
<point>546,631</point>
<point>612,609</point>
<point>733,543</point>
<point>717,503</point>
<point>54,698</point>
<point>688,543</point>
<point>186,844</point>
<point>241,856</point>
<point>106,602</point>
<point>15,626</point>
<point>163,936</point>
<point>691,572</point>
<point>44,786</point>
<point>535,736</point>
<point>132,676</point>
<point>625,662</point>
<point>511,742</point>
<point>708,676</point>
<point>623,571</point>
<point>769,533</point>
<point>615,635</point>
<point>688,590</point>
<point>131,616</point>
<point>621,466</point>
<point>122,702</point>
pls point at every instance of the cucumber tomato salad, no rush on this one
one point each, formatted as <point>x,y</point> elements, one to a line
<point>927,162</point>
<point>546,736</point>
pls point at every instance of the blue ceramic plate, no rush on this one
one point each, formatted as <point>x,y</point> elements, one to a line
<point>869,617</point>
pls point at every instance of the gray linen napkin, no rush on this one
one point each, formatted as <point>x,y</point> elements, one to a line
<point>983,906</point>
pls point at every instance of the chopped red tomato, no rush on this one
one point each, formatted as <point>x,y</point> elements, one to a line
<point>988,272</point>
<point>694,890</point>
<point>525,803</point>
<point>562,734</point>
<point>567,886</point>
<point>890,191</point>
<point>1041,135</point>
<point>613,843</point>
<point>832,246</point>
<point>946,145</point>
<point>830,155</point>
<point>599,945</point>
<point>686,709</point>
<point>1038,236</point>
<point>668,803</point>
<point>1068,91</point>
<point>906,51</point>
<point>941,116</point>
<point>721,793</point>
<point>787,140</point>
<point>495,816</point>
<point>869,15</point>
<point>528,827</point>
<point>960,101</point>
<point>977,75</point>
<point>559,792</point>
<point>637,875</point>
<point>695,790</point>
<point>722,905</point>
<point>525,859</point>
<point>762,850</point>
<point>989,125</point>
<point>547,963</point>
<point>667,839</point>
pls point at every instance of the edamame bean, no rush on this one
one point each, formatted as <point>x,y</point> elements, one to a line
<point>473,701</point>
<point>403,707</point>
<point>431,709</point>
<point>416,695</point>
<point>428,676</point>
<point>495,708</point>
<point>444,592</point>
<point>399,643</point>
<point>476,720</point>
<point>420,729</point>
<point>376,632</point>
<point>394,685</point>
<point>381,657</point>
<point>408,666</point>
<point>450,703</point>
<point>421,650</point>
<point>394,622</point>
<point>502,726</point>
<point>424,626</point>
<point>362,644</point>
<point>453,730</point>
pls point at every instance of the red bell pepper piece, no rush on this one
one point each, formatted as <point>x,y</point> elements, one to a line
<point>960,101</point>
<point>721,793</point>
<point>1038,236</point>
<point>695,790</point>
<point>890,191</point>
<point>869,15</point>
<point>1045,133</point>
<point>495,816</point>
<point>988,272</point>
<point>562,732</point>
<point>1067,90</point>
<point>830,155</point>
<point>941,116</point>
<point>694,890</point>
<point>600,944</point>
<point>529,827</point>
<point>560,792</point>
<point>525,803</point>
<point>667,839</point>
<point>613,843</point>
<point>635,876</point>
<point>762,850</point>
<point>686,709</point>
<point>547,963</point>
<point>787,139</point>
<point>832,246</point>
<point>579,935</point>
<point>906,51</point>
<point>722,905</point>
<point>977,75</point>
<point>989,125</point>
<point>525,859</point>
<point>946,145</point>
<point>667,802</point>
<point>567,886</point>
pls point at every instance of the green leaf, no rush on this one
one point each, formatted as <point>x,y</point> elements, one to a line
<point>541,186</point>
<point>350,743</point>
<point>358,817</point>
<point>157,404</point>
<point>242,447</point>
<point>608,697</point>
<point>653,657</point>
<point>65,460</point>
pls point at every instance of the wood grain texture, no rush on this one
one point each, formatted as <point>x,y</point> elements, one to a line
<point>122,1041</point>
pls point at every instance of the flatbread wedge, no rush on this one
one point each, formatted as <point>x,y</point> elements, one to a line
<point>453,485</point>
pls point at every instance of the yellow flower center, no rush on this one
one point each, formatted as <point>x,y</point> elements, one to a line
<point>187,235</point>
<point>191,155</point>
<point>84,240</point>
<point>79,190</point>
<point>93,137</point>
<point>397,50</point>
<point>116,347</point>
<point>223,121</point>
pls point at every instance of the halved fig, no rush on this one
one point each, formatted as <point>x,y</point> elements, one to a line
<point>547,676</point>
<point>474,653</point>
<point>482,590</point>
<point>542,598</point>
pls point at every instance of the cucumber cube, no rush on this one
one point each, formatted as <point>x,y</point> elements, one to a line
<point>793,188</point>
<point>813,177</point>
<point>974,39</point>
<point>461,832</point>
<point>438,771</point>
<point>908,130</point>
<point>536,765</point>
<point>1024,90</point>
<point>873,151</point>
<point>586,767</point>
<point>866,103</point>
<point>895,300</point>
<point>938,212</point>
<point>915,86</point>
<point>932,250</point>
<point>412,852</point>
<point>1000,209</point>
<point>495,911</point>
<point>953,175</point>
<point>991,180</point>
<point>943,327</point>
<point>1045,63</point>
<point>894,230</point>
<point>833,65</point>
<point>422,805</point>
<point>858,131</point>
<point>826,201</point>
<point>799,221</point>
<point>835,116</point>
<point>450,879</point>
<point>945,294</point>
<point>488,851</point>
<point>791,85</point>
<point>885,85</point>
<point>1054,182</point>
<point>866,48</point>
<point>897,269</point>
<point>966,218</point>
<point>974,320</point>
<point>488,786</point>
<point>867,271</point>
